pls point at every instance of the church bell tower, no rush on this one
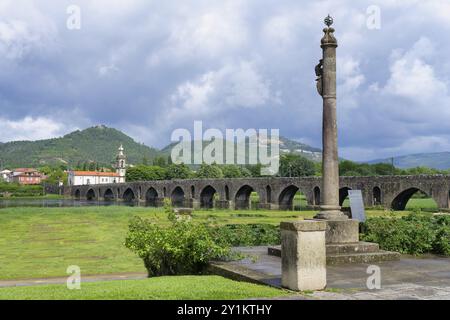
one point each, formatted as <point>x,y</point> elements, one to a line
<point>121,163</point>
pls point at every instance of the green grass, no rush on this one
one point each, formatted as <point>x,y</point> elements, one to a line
<point>162,288</point>
<point>43,242</point>
<point>417,203</point>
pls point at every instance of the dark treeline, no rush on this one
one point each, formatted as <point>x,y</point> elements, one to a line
<point>291,165</point>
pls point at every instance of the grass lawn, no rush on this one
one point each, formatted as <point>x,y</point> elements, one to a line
<point>162,288</point>
<point>43,242</point>
<point>421,203</point>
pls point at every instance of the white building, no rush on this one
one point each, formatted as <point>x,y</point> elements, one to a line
<point>5,175</point>
<point>79,178</point>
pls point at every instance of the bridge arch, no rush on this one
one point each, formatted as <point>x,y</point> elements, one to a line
<point>401,200</point>
<point>108,195</point>
<point>77,194</point>
<point>177,197</point>
<point>268,194</point>
<point>227,193</point>
<point>286,198</point>
<point>128,195</point>
<point>90,195</point>
<point>151,197</point>
<point>242,198</point>
<point>376,196</point>
<point>343,194</point>
<point>316,194</point>
<point>207,197</point>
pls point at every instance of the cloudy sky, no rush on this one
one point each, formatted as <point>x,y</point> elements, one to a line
<point>148,67</point>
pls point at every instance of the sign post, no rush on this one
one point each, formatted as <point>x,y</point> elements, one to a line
<point>357,205</point>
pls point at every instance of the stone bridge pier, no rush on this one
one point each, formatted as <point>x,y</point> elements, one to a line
<point>273,193</point>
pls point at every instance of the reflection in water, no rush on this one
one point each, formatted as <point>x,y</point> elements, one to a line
<point>54,203</point>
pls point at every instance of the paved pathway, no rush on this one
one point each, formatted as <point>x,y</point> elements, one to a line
<point>427,277</point>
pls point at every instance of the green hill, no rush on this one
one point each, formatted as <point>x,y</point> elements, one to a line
<point>97,144</point>
<point>286,146</point>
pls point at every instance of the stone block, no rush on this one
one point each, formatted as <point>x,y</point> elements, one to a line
<point>303,258</point>
<point>342,231</point>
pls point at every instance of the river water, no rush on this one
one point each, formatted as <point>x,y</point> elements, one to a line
<point>54,203</point>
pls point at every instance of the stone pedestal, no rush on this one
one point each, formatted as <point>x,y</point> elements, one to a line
<point>342,231</point>
<point>303,255</point>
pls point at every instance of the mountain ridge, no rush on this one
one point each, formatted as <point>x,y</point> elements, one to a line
<point>437,160</point>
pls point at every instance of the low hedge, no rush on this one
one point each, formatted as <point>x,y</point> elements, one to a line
<point>415,234</point>
<point>236,235</point>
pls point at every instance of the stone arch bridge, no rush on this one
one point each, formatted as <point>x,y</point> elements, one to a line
<point>274,193</point>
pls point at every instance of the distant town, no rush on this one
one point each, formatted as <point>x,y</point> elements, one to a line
<point>32,176</point>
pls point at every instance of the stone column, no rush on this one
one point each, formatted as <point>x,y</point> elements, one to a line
<point>326,85</point>
<point>303,255</point>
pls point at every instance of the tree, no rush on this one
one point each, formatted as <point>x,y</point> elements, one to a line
<point>293,165</point>
<point>254,169</point>
<point>160,161</point>
<point>245,172</point>
<point>350,168</point>
<point>231,171</point>
<point>145,173</point>
<point>179,171</point>
<point>209,171</point>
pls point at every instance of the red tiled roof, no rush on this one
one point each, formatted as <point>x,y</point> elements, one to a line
<point>25,170</point>
<point>95,173</point>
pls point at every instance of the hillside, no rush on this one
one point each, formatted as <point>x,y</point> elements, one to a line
<point>98,144</point>
<point>286,146</point>
<point>439,160</point>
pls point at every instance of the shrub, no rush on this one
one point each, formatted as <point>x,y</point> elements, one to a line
<point>416,233</point>
<point>247,234</point>
<point>182,248</point>
<point>441,244</point>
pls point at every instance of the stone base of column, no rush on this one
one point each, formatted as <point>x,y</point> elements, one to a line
<point>303,255</point>
<point>342,231</point>
<point>330,213</point>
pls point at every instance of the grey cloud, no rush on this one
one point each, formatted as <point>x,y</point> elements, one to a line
<point>150,67</point>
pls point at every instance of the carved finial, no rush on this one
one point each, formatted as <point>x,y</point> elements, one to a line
<point>329,39</point>
<point>328,21</point>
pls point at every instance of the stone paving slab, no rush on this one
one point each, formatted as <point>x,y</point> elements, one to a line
<point>410,278</point>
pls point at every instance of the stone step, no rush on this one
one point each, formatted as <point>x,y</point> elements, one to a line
<point>362,252</point>
<point>364,257</point>
<point>358,247</point>
<point>340,248</point>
